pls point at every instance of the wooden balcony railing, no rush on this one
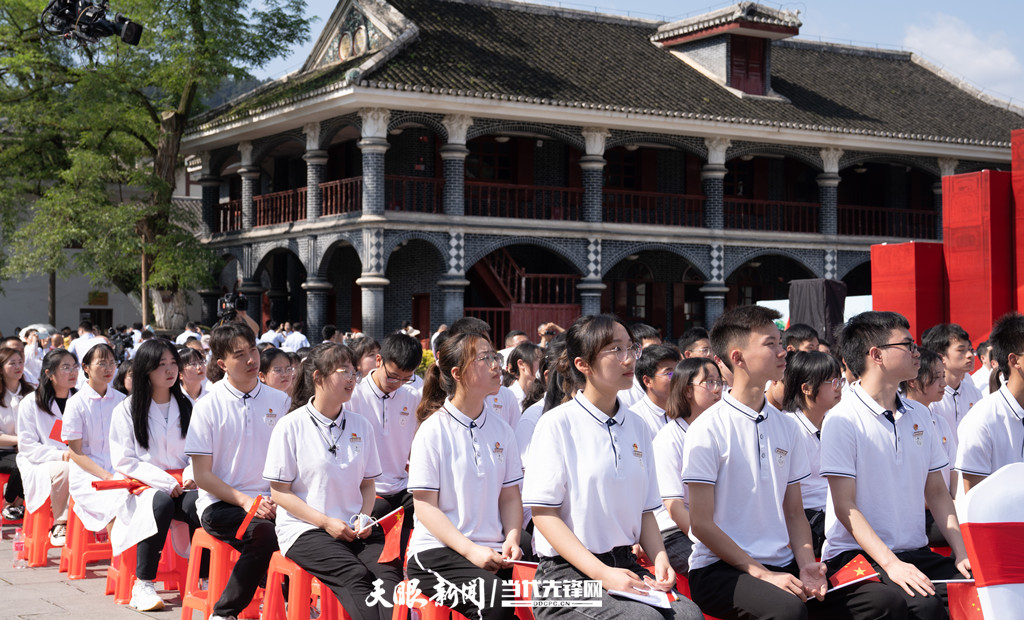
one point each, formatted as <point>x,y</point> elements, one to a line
<point>529,202</point>
<point>342,196</point>
<point>771,215</point>
<point>887,222</point>
<point>229,216</point>
<point>630,207</point>
<point>538,288</point>
<point>280,207</point>
<point>419,194</point>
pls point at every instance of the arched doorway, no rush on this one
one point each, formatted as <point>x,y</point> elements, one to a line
<point>764,277</point>
<point>341,267</point>
<point>414,269</point>
<point>655,287</point>
<point>281,274</point>
<point>858,280</point>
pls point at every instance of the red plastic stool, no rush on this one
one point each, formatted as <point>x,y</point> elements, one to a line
<point>81,547</point>
<point>4,479</point>
<point>222,561</point>
<point>121,574</point>
<point>300,590</point>
<point>37,534</point>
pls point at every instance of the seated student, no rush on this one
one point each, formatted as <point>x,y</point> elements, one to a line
<point>928,388</point>
<point>591,483</point>
<point>521,369</point>
<point>227,440</point>
<point>463,473</point>
<point>742,463</point>
<point>86,428</point>
<point>365,349</point>
<point>696,385</point>
<point>983,375</point>
<point>386,399</point>
<point>193,373</point>
<point>14,389</point>
<point>147,443</point>
<point>646,336</point>
<point>800,337</point>
<point>321,475</point>
<point>953,344</point>
<point>883,459</point>
<point>654,372</point>
<point>278,370</point>
<point>993,434</point>
<point>42,456</point>
<point>695,342</point>
<point>814,384</point>
<point>504,402</point>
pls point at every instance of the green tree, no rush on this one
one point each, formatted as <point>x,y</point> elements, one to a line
<point>107,121</point>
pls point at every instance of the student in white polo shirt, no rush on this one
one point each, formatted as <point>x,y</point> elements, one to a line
<point>993,434</point>
<point>521,367</point>
<point>386,399</point>
<point>591,481</point>
<point>654,372</point>
<point>503,402</point>
<point>953,344</point>
<point>321,465</point>
<point>813,385</point>
<point>227,440</point>
<point>464,472</point>
<point>743,462</point>
<point>883,459</point>
<point>696,386</point>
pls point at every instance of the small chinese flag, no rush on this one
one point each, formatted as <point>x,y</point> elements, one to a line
<point>248,517</point>
<point>392,526</point>
<point>963,602</point>
<point>856,570</point>
<point>55,431</point>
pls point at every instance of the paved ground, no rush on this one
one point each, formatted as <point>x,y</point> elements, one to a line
<point>33,593</point>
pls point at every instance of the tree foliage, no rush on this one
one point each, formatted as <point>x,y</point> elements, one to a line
<point>90,138</point>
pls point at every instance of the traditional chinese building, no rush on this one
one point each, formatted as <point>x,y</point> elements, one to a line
<point>524,163</point>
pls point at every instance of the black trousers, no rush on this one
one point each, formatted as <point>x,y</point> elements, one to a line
<point>221,520</point>
<point>165,509</point>
<point>349,570</point>
<point>931,564</point>
<point>388,503</point>
<point>8,465</point>
<point>816,520</point>
<point>433,566</point>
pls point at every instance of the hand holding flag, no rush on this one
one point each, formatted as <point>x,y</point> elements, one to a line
<point>391,523</point>
<point>856,570</point>
<point>248,517</point>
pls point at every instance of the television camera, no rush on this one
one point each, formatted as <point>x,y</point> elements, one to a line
<point>82,21</point>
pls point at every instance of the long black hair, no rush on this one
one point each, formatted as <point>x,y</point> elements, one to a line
<point>24,387</point>
<point>147,359</point>
<point>45,393</point>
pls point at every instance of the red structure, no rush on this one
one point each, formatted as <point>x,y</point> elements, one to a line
<point>977,273</point>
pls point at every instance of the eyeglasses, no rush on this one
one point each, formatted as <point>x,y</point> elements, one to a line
<point>492,359</point>
<point>838,383</point>
<point>623,353</point>
<point>910,344</point>
<point>702,352</point>
<point>346,373</point>
<point>68,368</point>
<point>390,378</point>
<point>711,384</point>
<point>194,366</point>
<point>105,365</point>
<point>281,370</point>
<point>667,373</point>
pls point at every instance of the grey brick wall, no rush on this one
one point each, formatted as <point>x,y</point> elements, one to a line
<point>413,269</point>
<point>828,217</point>
<point>550,164</point>
<point>714,205</point>
<point>671,172</point>
<point>711,53</point>
<point>373,182</point>
<point>414,148</point>
<point>593,182</point>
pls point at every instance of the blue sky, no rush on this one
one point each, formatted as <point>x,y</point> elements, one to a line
<point>973,40</point>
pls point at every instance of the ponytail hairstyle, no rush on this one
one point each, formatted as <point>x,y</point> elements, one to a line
<point>24,387</point>
<point>323,359</point>
<point>560,385</point>
<point>547,368</point>
<point>678,404</point>
<point>102,350</point>
<point>1007,337</point>
<point>528,352</point>
<point>585,339</point>
<point>45,393</point>
<point>147,359</point>
<point>458,351</point>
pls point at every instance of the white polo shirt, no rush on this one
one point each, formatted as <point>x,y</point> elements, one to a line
<point>956,403</point>
<point>517,390</point>
<point>890,463</point>
<point>272,337</point>
<point>393,419</point>
<point>597,471</point>
<point>234,428</point>
<point>991,436</point>
<point>505,405</point>
<point>300,455</point>
<point>668,462</point>
<point>528,424</point>
<point>981,378</point>
<point>294,341</point>
<point>633,395</point>
<point>87,417</point>
<point>652,415</point>
<point>468,462</point>
<point>751,457</point>
<point>813,488</point>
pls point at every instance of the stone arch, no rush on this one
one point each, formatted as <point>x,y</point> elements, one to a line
<point>561,134</point>
<point>687,144</point>
<point>689,254</point>
<point>920,163</point>
<point>331,244</point>
<point>438,241</point>
<point>846,266</point>
<point>810,159</point>
<point>296,245</point>
<point>331,127</point>
<point>261,148</point>
<point>737,257</point>
<point>430,121</point>
<point>220,157</point>
<point>563,250</point>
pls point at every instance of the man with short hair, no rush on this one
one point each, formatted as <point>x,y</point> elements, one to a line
<point>695,342</point>
<point>273,334</point>
<point>953,344</point>
<point>983,375</point>
<point>191,331</point>
<point>800,337</point>
<point>330,333</point>
<point>512,339</point>
<point>654,371</point>
<point>295,340</point>
<point>85,341</point>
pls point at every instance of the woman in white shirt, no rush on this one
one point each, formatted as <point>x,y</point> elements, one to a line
<point>15,388</point>
<point>42,456</point>
<point>522,367</point>
<point>86,428</point>
<point>464,471</point>
<point>321,465</point>
<point>193,373</point>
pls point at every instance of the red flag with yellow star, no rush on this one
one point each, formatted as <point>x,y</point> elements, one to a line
<point>963,602</point>
<point>856,570</point>
<point>391,523</point>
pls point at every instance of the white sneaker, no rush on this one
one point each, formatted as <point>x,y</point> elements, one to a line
<point>58,534</point>
<point>144,597</point>
<point>223,618</point>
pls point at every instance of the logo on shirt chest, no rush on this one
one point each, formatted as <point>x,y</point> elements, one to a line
<point>403,416</point>
<point>499,452</point>
<point>780,456</point>
<point>270,418</point>
<point>496,404</point>
<point>355,442</point>
<point>637,452</point>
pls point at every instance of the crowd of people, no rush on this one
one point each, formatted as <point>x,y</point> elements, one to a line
<point>755,462</point>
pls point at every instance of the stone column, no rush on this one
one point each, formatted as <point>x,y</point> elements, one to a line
<point>593,163</point>
<point>253,291</point>
<point>211,200</point>
<point>250,176</point>
<point>373,304</point>
<point>453,296</point>
<point>828,192</point>
<point>947,167</point>
<point>316,162</point>
<point>374,144</point>
<point>715,289</point>
<point>209,297</point>
<point>590,286</point>
<point>317,290</point>
<point>453,158</point>
<point>712,180</point>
